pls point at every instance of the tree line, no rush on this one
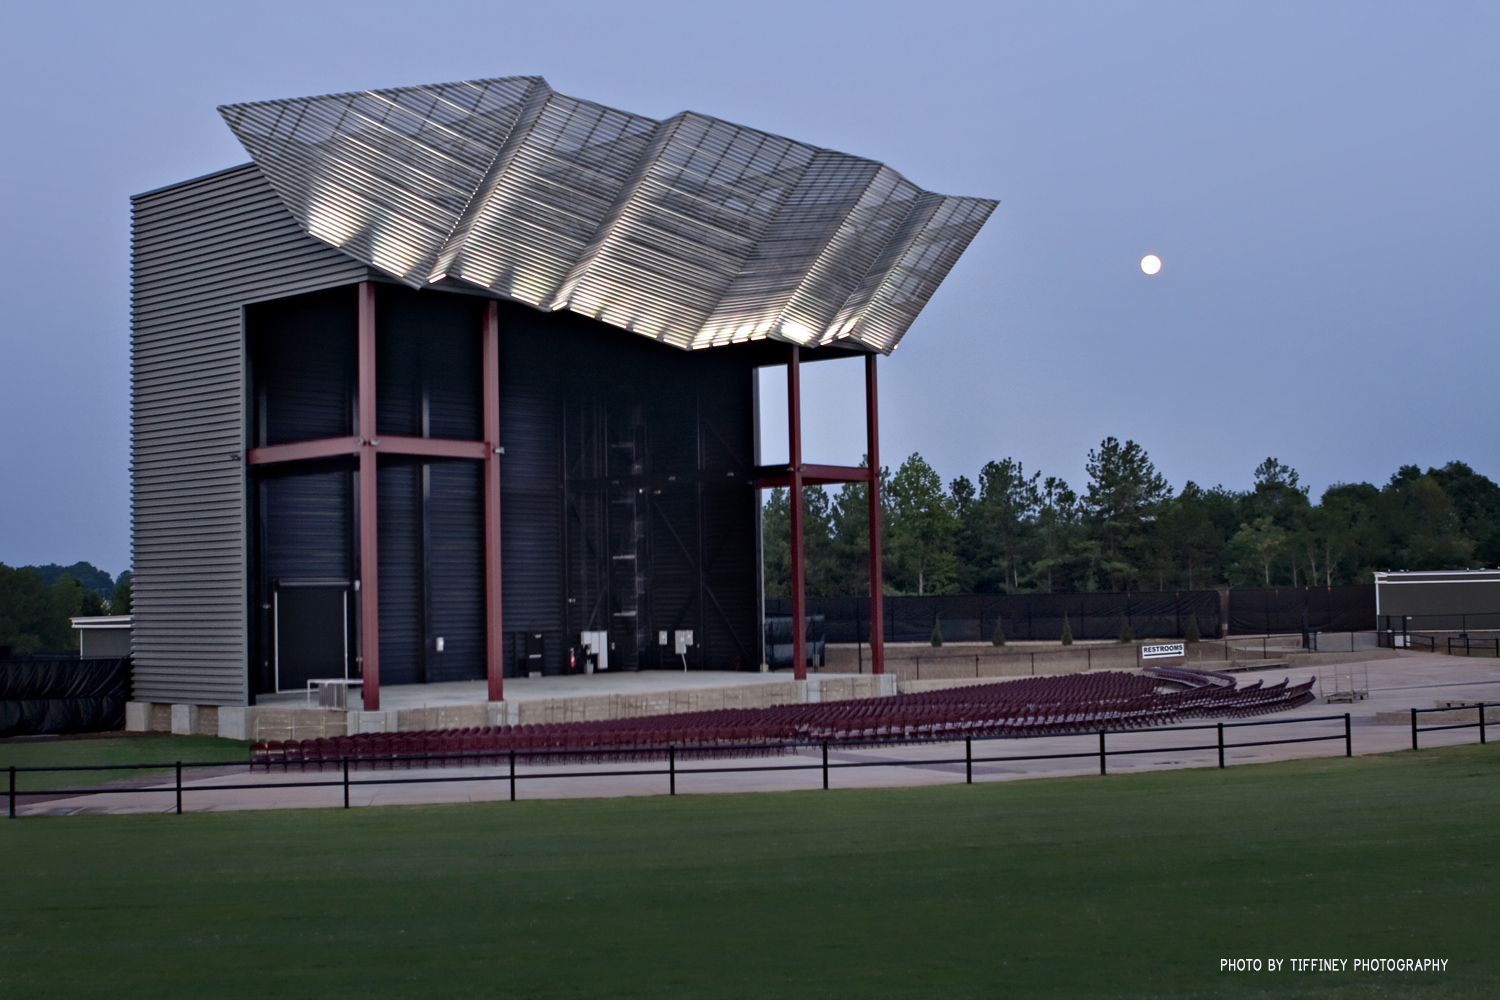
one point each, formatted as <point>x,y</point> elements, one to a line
<point>1128,530</point>
<point>36,603</point>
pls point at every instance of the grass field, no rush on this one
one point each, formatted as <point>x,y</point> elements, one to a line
<point>136,748</point>
<point>1122,886</point>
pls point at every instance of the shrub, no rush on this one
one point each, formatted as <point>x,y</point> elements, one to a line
<point>937,631</point>
<point>1126,635</point>
<point>1191,634</point>
<point>1067,636</point>
<point>997,638</point>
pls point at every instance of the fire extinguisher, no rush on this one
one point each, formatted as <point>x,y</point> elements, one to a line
<point>573,659</point>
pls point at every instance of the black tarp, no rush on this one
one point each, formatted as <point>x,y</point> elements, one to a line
<point>1022,617</point>
<point>60,695</point>
<point>1280,610</point>
<point>1148,614</point>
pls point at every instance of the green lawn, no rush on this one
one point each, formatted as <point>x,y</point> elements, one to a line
<point>1120,886</point>
<point>136,748</point>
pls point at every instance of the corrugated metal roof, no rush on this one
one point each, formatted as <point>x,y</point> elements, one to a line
<point>693,231</point>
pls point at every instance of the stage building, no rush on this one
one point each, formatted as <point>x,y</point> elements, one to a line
<point>458,382</point>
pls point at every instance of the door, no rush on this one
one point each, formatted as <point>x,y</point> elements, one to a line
<point>311,633</point>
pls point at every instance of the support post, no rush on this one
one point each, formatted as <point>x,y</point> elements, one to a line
<point>671,770</point>
<point>1348,736</point>
<point>877,567</point>
<point>825,765</point>
<point>369,537</point>
<point>513,776</point>
<point>1481,723</point>
<point>1102,768</point>
<point>494,611</point>
<point>1414,729</point>
<point>346,782</point>
<point>1221,746</point>
<point>179,788</point>
<point>13,791</point>
<point>797,569</point>
<point>968,760</point>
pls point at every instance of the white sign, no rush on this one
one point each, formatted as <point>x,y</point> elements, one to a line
<point>1164,649</point>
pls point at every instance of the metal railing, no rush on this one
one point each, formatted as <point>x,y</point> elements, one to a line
<point>1486,647</point>
<point>1479,722</point>
<point>511,758</point>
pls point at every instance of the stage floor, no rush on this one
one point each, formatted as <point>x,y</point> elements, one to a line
<point>621,682</point>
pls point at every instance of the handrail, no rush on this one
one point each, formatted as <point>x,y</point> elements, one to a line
<point>1480,722</point>
<point>671,752</point>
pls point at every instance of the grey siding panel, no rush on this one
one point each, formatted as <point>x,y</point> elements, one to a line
<point>201,251</point>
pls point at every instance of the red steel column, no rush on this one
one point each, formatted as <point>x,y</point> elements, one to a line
<point>369,537</point>
<point>494,614</point>
<point>877,574</point>
<point>794,451</point>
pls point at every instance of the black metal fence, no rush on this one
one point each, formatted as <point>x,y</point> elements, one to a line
<point>346,768</point>
<point>1021,617</point>
<point>1478,723</point>
<point>1041,617</point>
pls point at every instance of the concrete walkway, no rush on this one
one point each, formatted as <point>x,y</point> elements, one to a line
<point>1395,685</point>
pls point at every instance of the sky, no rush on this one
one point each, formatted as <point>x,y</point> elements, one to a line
<point>1318,180</point>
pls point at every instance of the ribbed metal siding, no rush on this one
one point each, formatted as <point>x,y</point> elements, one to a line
<point>200,251</point>
<point>398,492</point>
<point>694,231</point>
<point>455,570</point>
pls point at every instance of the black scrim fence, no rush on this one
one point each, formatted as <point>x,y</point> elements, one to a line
<point>1278,610</point>
<point>1148,614</point>
<point>1022,617</point>
<point>63,695</point>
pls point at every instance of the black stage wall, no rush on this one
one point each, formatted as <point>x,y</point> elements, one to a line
<point>628,497</point>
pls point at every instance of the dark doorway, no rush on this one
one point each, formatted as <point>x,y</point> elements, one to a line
<point>311,622</point>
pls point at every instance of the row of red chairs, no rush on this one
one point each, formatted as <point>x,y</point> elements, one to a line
<point>1033,706</point>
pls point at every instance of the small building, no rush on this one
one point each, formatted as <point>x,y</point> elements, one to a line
<point>1459,601</point>
<point>458,382</point>
<point>102,636</point>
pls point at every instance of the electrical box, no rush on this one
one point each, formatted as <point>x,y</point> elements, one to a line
<point>596,645</point>
<point>684,639</point>
<point>536,648</point>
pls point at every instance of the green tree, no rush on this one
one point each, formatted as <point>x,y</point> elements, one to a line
<point>1421,529</point>
<point>1125,495</point>
<point>922,530</point>
<point>1057,529</point>
<point>996,526</point>
<point>775,542</point>
<point>34,616</point>
<point>1259,548</point>
<point>120,601</point>
<point>1191,538</point>
<point>1345,521</point>
<point>1476,504</point>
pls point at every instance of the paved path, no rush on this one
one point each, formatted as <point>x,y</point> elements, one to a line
<point>1395,685</point>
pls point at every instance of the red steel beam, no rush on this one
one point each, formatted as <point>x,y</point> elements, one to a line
<point>494,611</point>
<point>794,452</point>
<point>369,536</point>
<point>768,476</point>
<point>303,450</point>
<point>877,575</point>
<point>391,444</point>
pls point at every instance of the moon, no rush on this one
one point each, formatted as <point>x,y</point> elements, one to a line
<point>1151,263</point>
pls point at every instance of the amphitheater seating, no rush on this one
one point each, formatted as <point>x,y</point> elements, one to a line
<point>1032,706</point>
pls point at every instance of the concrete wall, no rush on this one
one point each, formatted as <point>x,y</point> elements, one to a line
<point>292,722</point>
